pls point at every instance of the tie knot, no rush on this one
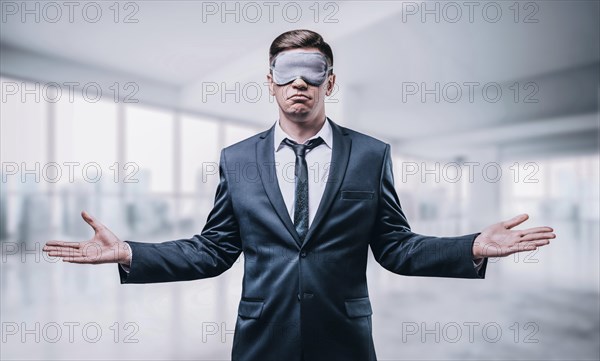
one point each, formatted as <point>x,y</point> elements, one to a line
<point>300,149</point>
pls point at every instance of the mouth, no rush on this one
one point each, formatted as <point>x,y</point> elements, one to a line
<point>298,97</point>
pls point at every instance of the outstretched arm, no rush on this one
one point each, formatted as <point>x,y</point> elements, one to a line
<point>207,254</point>
<point>104,247</point>
<point>401,251</point>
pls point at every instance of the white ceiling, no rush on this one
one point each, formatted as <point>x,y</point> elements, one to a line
<point>377,48</point>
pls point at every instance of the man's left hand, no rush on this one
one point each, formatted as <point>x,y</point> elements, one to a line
<point>500,240</point>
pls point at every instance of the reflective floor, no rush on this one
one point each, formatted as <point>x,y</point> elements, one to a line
<point>537,306</point>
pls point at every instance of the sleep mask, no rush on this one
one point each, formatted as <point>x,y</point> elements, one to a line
<point>310,66</point>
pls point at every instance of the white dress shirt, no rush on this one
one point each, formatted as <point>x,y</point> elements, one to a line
<point>318,160</point>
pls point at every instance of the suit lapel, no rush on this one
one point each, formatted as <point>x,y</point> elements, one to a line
<point>337,170</point>
<point>265,159</point>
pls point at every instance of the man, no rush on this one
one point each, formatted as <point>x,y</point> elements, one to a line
<point>305,240</point>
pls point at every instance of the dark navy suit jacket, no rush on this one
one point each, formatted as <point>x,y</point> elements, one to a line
<point>308,298</point>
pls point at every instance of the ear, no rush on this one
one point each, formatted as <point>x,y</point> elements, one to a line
<point>271,84</point>
<point>330,84</point>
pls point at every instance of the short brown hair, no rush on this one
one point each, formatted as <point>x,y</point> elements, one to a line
<point>300,38</point>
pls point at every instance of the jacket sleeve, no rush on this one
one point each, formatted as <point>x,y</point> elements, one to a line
<point>401,251</point>
<point>205,255</point>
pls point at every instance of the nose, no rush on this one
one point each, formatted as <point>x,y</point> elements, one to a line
<point>299,83</point>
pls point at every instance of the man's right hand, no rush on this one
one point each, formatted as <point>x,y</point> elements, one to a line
<point>104,247</point>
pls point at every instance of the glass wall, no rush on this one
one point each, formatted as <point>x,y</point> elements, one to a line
<point>150,175</point>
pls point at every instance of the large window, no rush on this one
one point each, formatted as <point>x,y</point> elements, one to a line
<point>199,154</point>
<point>431,194</point>
<point>562,192</point>
<point>150,147</point>
<point>236,132</point>
<point>146,171</point>
<point>86,133</point>
<point>24,137</point>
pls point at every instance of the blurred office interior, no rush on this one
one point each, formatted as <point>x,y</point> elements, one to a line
<point>487,118</point>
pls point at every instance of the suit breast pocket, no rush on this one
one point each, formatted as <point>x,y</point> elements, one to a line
<point>358,307</point>
<point>358,195</point>
<point>250,308</point>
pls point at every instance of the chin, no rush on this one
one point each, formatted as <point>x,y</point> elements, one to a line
<point>299,109</point>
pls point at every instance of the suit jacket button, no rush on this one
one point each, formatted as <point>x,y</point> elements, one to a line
<point>298,297</point>
<point>302,254</point>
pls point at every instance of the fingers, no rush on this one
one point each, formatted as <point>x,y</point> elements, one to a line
<point>65,249</point>
<point>533,245</point>
<point>65,253</point>
<point>529,246</point>
<point>75,255</point>
<point>534,230</point>
<point>515,221</point>
<point>537,236</point>
<point>56,245</point>
<point>79,259</point>
<point>92,221</point>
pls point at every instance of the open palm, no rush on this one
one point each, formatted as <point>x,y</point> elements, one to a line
<point>500,240</point>
<point>104,247</point>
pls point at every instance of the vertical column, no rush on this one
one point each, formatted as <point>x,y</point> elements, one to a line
<point>51,157</point>
<point>483,200</point>
<point>125,296</point>
<point>121,145</point>
<point>176,294</point>
<point>177,170</point>
<point>221,288</point>
<point>53,308</point>
<point>121,136</point>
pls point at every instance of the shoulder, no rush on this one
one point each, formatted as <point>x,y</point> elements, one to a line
<point>363,141</point>
<point>244,148</point>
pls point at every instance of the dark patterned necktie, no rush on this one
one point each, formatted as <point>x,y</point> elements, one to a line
<point>301,174</point>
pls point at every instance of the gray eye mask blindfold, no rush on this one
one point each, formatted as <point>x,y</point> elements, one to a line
<point>310,66</point>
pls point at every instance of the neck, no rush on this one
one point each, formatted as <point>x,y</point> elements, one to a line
<point>301,128</point>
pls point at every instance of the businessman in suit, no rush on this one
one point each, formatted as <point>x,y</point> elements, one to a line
<point>305,238</point>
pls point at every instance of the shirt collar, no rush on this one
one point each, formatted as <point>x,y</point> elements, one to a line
<point>325,133</point>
